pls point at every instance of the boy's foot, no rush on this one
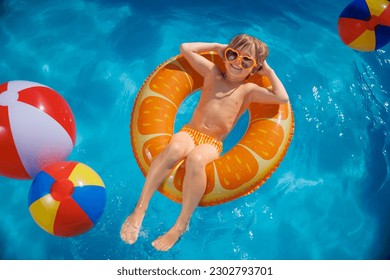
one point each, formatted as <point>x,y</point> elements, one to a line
<point>131,227</point>
<point>166,241</point>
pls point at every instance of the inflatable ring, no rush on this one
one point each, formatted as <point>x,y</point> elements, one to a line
<point>238,172</point>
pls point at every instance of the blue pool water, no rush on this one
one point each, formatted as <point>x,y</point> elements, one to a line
<point>330,197</point>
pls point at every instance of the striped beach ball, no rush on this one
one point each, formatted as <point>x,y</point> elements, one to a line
<point>364,25</point>
<point>37,128</point>
<point>67,198</point>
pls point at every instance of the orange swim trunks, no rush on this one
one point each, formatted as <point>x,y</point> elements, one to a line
<point>201,138</point>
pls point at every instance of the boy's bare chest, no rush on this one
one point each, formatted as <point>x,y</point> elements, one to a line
<point>223,96</point>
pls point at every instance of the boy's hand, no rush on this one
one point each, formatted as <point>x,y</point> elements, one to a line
<point>265,69</point>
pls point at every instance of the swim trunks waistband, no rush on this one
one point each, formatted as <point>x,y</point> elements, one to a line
<point>202,138</point>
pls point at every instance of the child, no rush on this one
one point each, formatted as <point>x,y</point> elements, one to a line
<point>225,96</point>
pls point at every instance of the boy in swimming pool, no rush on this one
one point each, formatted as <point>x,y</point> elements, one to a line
<point>225,96</point>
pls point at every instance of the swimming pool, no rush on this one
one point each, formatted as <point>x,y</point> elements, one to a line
<point>330,197</point>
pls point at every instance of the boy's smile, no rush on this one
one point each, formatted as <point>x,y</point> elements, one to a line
<point>235,72</point>
<point>235,66</point>
<point>234,63</point>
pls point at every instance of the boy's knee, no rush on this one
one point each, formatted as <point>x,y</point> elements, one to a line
<point>195,162</point>
<point>173,153</point>
<point>175,150</point>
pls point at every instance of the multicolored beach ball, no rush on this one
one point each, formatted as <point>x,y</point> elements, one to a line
<point>364,25</point>
<point>67,198</point>
<point>37,128</point>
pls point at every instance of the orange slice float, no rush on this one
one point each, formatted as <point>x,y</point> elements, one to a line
<point>239,171</point>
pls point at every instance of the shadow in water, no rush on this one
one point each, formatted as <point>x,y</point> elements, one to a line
<point>3,8</point>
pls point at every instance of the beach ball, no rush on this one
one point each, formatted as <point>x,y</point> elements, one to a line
<point>37,128</point>
<point>364,25</point>
<point>67,198</point>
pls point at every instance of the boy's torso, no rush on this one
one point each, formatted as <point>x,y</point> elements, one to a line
<point>221,104</point>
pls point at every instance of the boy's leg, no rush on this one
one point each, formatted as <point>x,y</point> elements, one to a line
<point>178,148</point>
<point>194,186</point>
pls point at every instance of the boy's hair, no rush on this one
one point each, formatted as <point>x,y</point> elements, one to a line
<point>245,41</point>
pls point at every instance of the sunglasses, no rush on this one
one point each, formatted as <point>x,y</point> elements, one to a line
<point>232,55</point>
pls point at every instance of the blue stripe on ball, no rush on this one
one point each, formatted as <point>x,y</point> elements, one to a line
<point>40,187</point>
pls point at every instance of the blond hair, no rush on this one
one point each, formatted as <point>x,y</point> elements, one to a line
<point>245,41</point>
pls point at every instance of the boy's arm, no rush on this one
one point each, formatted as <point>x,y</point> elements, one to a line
<point>202,65</point>
<point>277,95</point>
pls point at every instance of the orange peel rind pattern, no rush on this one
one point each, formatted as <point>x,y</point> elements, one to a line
<point>239,171</point>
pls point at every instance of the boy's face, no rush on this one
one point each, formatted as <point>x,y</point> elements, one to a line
<point>240,63</point>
